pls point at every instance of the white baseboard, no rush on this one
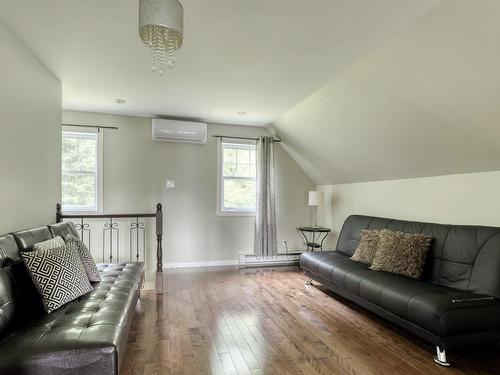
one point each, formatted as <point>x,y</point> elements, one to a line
<point>279,260</point>
<point>213,263</point>
<point>244,260</point>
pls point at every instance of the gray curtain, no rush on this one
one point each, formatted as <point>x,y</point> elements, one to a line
<point>265,241</point>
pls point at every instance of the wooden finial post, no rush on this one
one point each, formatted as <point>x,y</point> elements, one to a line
<point>58,213</point>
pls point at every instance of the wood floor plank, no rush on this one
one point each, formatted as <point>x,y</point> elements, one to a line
<point>266,321</point>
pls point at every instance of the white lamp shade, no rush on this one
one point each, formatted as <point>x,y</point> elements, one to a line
<point>316,198</point>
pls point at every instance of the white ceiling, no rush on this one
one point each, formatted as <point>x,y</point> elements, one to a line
<point>258,56</point>
<point>426,103</point>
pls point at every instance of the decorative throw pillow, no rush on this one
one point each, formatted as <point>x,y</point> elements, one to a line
<point>367,246</point>
<point>74,243</point>
<point>401,253</point>
<point>58,274</point>
<point>53,243</point>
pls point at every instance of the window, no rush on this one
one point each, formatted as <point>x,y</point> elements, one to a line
<point>81,171</point>
<point>237,178</point>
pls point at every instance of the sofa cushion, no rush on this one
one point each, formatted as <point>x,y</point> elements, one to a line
<point>27,238</point>
<point>63,229</point>
<point>438,309</point>
<point>87,335</point>
<point>313,261</point>
<point>19,299</point>
<point>401,253</point>
<point>8,293</point>
<point>367,247</point>
<point>58,273</point>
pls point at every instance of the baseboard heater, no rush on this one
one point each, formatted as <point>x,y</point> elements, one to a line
<point>289,259</point>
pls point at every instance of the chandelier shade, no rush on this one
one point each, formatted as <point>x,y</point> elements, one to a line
<point>161,27</point>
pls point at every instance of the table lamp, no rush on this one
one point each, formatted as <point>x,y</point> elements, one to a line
<point>316,198</point>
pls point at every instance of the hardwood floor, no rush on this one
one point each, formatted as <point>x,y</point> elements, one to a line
<point>266,321</point>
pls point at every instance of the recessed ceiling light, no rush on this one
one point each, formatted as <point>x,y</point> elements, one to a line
<point>242,113</point>
<point>120,101</point>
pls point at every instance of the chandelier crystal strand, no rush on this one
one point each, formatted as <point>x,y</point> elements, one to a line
<point>171,50</point>
<point>163,43</point>
<point>161,28</point>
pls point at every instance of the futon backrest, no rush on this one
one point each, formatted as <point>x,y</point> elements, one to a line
<point>27,238</point>
<point>63,229</point>
<point>19,298</point>
<point>461,256</point>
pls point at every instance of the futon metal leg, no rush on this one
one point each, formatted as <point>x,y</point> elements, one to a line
<point>309,282</point>
<point>141,286</point>
<point>440,358</point>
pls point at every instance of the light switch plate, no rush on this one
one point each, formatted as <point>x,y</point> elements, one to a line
<point>170,184</point>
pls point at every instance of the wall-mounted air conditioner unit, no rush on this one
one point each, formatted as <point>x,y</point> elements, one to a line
<point>179,131</point>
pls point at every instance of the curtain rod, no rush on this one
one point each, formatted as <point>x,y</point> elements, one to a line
<point>92,126</point>
<point>276,140</point>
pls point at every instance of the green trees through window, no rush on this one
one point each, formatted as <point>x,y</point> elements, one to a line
<point>80,154</point>
<point>238,177</point>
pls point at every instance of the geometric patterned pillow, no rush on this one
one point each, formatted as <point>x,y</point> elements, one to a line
<point>58,274</point>
<point>74,243</point>
<point>49,244</point>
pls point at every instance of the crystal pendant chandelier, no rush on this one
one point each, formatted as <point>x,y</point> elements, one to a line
<point>161,30</point>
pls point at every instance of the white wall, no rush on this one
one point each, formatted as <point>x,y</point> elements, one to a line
<point>30,137</point>
<point>471,198</point>
<point>425,103</point>
<point>135,170</point>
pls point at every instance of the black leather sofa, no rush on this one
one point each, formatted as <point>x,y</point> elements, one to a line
<point>86,336</point>
<point>456,302</point>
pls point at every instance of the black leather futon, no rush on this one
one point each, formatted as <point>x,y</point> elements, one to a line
<point>455,303</point>
<point>86,336</point>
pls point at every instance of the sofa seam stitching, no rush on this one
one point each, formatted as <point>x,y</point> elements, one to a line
<point>478,252</point>
<point>364,277</point>
<point>385,286</point>
<point>441,253</point>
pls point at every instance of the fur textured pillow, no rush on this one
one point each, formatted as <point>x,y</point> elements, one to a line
<point>401,253</point>
<point>367,246</point>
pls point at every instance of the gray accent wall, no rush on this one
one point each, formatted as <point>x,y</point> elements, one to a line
<point>135,174</point>
<point>30,138</point>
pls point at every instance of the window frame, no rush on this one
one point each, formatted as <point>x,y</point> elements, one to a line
<point>220,177</point>
<point>99,184</point>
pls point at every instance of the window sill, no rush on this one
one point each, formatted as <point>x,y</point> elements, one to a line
<point>235,213</point>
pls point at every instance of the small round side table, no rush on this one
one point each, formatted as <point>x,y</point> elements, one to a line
<point>314,242</point>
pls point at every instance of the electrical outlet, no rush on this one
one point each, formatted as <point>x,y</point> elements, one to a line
<point>170,184</point>
<point>285,246</point>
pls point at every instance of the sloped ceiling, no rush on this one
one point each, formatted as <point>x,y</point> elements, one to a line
<point>425,103</point>
<point>257,56</point>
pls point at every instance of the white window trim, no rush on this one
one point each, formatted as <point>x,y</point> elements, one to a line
<point>220,188</point>
<point>100,164</point>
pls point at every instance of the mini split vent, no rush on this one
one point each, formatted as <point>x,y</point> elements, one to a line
<point>179,131</point>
